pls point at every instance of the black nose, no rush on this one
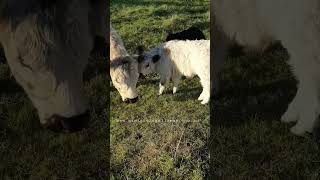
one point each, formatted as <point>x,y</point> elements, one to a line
<point>131,101</point>
<point>76,123</point>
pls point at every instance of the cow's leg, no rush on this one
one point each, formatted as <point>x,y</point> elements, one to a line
<point>200,98</point>
<point>205,95</point>
<point>305,106</point>
<point>163,81</point>
<point>175,79</point>
<point>291,115</point>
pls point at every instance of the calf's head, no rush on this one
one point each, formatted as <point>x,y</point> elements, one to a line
<point>147,60</point>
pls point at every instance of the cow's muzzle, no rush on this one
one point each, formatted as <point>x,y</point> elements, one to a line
<point>76,123</point>
<point>131,101</point>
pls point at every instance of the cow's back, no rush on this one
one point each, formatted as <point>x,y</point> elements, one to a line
<point>189,56</point>
<point>117,48</point>
<point>241,20</point>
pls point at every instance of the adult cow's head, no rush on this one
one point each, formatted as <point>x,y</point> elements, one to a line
<point>124,76</point>
<point>47,50</point>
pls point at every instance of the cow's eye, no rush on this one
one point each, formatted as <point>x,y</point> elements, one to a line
<point>147,65</point>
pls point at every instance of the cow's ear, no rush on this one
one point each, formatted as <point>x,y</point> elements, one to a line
<point>156,58</point>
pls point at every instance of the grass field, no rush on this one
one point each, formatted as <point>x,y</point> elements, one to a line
<point>248,141</point>
<point>27,151</point>
<point>159,137</point>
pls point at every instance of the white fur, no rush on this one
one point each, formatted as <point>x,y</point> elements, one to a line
<point>187,58</point>
<point>47,51</point>
<point>296,24</point>
<point>124,69</point>
<point>117,48</point>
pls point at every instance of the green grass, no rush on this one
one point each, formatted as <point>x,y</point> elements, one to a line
<point>27,151</point>
<point>159,137</point>
<point>248,141</point>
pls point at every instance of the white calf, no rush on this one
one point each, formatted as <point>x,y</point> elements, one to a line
<point>175,58</point>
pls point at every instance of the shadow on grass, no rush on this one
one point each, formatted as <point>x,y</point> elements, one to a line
<point>185,94</point>
<point>234,107</point>
<point>8,86</point>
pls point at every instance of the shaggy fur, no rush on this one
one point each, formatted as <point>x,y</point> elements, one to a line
<point>192,33</point>
<point>47,45</point>
<point>123,68</point>
<point>175,58</point>
<point>296,24</point>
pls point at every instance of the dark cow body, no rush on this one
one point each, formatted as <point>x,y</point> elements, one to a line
<point>192,33</point>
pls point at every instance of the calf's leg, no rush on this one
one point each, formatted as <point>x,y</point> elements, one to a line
<point>176,80</point>
<point>205,82</point>
<point>163,81</point>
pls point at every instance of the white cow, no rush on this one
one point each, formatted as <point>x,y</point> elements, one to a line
<point>296,24</point>
<point>47,45</point>
<point>177,58</point>
<point>123,69</point>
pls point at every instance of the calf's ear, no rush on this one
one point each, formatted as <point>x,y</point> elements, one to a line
<point>156,58</point>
